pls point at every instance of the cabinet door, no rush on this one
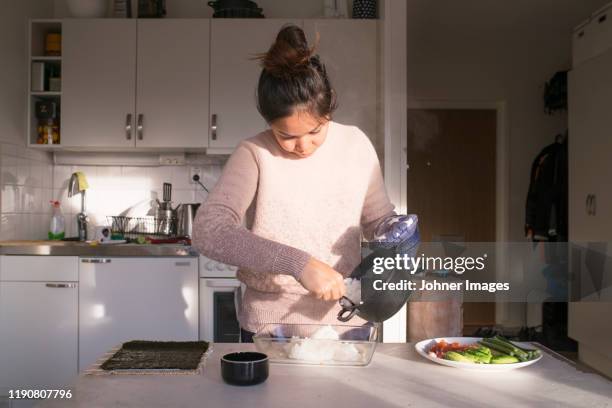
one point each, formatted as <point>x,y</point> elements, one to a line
<point>172,77</point>
<point>38,344</point>
<point>234,76</point>
<point>98,82</point>
<point>589,149</point>
<point>123,299</point>
<point>348,48</point>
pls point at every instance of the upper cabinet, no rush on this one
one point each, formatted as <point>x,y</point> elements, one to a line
<point>98,83</point>
<point>129,83</point>
<point>172,83</point>
<point>234,74</point>
<point>191,84</point>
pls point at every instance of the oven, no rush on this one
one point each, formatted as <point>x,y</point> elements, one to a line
<point>220,299</point>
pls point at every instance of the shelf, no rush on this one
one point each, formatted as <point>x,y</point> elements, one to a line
<point>45,93</point>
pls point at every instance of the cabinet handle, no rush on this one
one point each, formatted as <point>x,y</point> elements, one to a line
<point>128,126</point>
<point>182,264</point>
<point>61,285</point>
<point>594,205</point>
<point>213,127</point>
<point>140,126</point>
<point>96,260</point>
<point>587,204</point>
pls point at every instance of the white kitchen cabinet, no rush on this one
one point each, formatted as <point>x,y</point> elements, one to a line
<point>349,50</point>
<point>172,83</point>
<point>123,299</point>
<point>38,322</point>
<point>590,144</point>
<point>98,83</point>
<point>234,75</point>
<point>129,83</point>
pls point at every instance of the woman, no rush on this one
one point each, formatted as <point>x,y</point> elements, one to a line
<point>307,187</point>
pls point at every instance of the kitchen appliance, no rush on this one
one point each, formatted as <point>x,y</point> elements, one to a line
<point>125,298</point>
<point>245,368</point>
<point>220,300</point>
<point>165,214</point>
<point>78,185</point>
<point>185,214</point>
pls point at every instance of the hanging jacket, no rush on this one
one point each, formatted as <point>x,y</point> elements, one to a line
<point>546,207</point>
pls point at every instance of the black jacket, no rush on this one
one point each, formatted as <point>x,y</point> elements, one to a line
<point>546,208</point>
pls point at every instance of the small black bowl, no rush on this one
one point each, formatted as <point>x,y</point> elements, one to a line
<point>246,368</point>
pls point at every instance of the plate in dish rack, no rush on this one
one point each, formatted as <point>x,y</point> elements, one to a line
<point>423,347</point>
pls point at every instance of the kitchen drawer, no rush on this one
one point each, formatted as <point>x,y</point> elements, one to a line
<point>39,268</point>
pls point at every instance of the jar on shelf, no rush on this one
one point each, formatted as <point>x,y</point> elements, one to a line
<point>48,132</point>
<point>53,44</point>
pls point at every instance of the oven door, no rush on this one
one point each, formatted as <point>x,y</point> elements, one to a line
<point>220,299</point>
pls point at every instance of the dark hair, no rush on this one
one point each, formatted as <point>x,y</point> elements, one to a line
<point>293,77</point>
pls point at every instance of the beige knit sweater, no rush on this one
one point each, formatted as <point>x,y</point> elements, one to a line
<point>293,209</point>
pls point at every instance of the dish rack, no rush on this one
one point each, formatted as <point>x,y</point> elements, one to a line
<point>133,227</point>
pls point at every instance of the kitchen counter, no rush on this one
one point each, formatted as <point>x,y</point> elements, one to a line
<point>73,248</point>
<point>397,377</point>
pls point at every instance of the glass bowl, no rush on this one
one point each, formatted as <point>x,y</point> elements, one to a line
<point>318,344</point>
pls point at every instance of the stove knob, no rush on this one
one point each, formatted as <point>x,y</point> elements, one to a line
<point>220,267</point>
<point>210,266</point>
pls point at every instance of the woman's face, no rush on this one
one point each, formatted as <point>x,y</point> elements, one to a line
<point>300,134</point>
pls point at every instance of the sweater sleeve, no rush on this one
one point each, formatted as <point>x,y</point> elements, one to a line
<point>218,232</point>
<point>377,208</point>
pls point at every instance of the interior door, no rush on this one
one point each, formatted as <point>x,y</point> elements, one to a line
<point>98,82</point>
<point>172,91</point>
<point>349,48</point>
<point>451,182</point>
<point>234,75</point>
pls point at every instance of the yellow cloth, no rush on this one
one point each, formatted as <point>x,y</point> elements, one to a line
<point>83,184</point>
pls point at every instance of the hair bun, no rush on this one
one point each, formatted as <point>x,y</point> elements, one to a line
<point>289,54</point>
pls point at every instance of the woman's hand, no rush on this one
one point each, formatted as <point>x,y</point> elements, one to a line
<point>322,280</point>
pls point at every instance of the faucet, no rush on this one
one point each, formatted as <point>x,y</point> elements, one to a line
<point>74,189</point>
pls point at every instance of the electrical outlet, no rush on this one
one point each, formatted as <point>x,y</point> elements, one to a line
<point>193,172</point>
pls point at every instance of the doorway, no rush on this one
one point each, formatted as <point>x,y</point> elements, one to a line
<point>450,181</point>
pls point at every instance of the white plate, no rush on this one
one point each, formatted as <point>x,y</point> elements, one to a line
<point>422,347</point>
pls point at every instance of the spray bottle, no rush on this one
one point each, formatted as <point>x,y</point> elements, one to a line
<point>58,222</point>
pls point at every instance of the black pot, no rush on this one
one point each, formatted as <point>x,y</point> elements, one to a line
<point>238,13</point>
<point>232,4</point>
<point>377,307</point>
<point>246,368</point>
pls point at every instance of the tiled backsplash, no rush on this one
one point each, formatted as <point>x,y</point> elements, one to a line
<point>26,177</point>
<point>128,190</point>
<point>30,180</point>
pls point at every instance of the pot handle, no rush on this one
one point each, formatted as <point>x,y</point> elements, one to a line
<point>345,318</point>
<point>347,306</point>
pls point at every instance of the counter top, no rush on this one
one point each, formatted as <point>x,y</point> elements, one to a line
<point>83,249</point>
<point>397,377</point>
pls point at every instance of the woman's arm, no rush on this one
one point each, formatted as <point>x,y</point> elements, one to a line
<point>218,232</point>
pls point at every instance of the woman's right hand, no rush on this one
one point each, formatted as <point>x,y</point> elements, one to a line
<point>322,280</point>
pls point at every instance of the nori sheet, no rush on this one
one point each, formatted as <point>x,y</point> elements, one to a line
<point>152,355</point>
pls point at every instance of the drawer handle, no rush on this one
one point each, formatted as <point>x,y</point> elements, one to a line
<point>96,260</point>
<point>182,264</point>
<point>61,285</point>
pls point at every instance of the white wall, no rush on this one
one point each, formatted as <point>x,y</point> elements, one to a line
<point>130,190</point>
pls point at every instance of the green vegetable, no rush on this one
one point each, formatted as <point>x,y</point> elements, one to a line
<point>504,360</point>
<point>480,355</point>
<point>521,354</point>
<point>460,357</point>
